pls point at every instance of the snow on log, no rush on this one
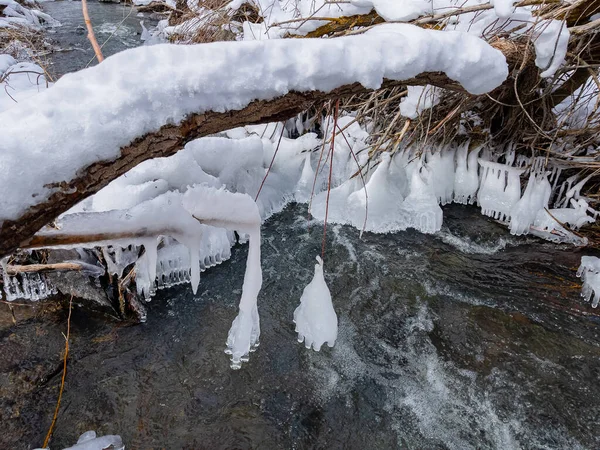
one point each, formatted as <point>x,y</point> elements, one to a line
<point>92,126</point>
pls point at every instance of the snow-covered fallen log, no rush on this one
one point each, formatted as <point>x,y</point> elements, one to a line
<point>94,125</point>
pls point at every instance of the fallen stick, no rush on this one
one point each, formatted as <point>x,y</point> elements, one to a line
<point>91,36</point>
<point>31,268</point>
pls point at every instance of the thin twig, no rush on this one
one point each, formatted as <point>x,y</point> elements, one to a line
<point>64,374</point>
<point>91,36</point>
<point>335,120</point>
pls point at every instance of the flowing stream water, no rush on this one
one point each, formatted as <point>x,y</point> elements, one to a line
<point>466,339</point>
<point>117,27</point>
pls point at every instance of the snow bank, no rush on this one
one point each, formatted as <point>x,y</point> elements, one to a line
<point>397,10</point>
<point>89,115</point>
<point>20,78</point>
<point>20,82</point>
<point>551,40</point>
<point>15,14</point>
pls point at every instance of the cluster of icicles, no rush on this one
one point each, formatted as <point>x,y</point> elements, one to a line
<point>189,205</point>
<point>30,286</point>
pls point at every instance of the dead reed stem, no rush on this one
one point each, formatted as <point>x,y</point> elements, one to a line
<point>64,374</point>
<point>335,121</point>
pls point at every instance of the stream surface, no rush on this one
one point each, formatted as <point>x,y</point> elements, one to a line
<point>117,27</point>
<point>466,339</point>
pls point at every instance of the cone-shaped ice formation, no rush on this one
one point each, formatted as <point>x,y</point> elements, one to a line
<point>384,200</point>
<point>441,164</point>
<point>315,318</point>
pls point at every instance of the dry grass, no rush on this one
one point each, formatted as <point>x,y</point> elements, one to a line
<point>25,44</point>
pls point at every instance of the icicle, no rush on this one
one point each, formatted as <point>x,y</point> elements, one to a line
<point>244,334</point>
<point>441,164</point>
<point>173,267</point>
<point>220,208</point>
<point>117,258</point>
<point>145,269</point>
<point>27,286</point>
<point>535,198</point>
<point>466,177</point>
<point>421,206</point>
<point>500,189</point>
<point>315,319</point>
<point>195,267</point>
<point>305,184</point>
<point>383,198</point>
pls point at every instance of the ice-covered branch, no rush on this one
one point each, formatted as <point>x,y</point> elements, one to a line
<point>94,125</point>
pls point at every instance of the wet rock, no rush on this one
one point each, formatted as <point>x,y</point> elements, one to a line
<point>87,291</point>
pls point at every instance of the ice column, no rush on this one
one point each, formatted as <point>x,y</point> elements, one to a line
<point>239,212</point>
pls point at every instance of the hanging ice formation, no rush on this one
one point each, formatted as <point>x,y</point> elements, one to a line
<point>306,182</point>
<point>500,189</point>
<point>535,198</point>
<point>379,200</point>
<point>441,163</point>
<point>402,191</point>
<point>171,218</point>
<point>466,177</point>
<point>315,319</point>
<point>28,286</point>
<point>238,212</point>
<point>553,219</point>
<point>36,286</point>
<point>589,271</point>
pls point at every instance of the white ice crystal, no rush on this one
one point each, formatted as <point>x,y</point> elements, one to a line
<point>421,205</point>
<point>551,40</point>
<point>500,189</point>
<point>237,212</point>
<point>552,219</point>
<point>89,441</point>
<point>589,271</point>
<point>441,164</point>
<point>315,319</point>
<point>466,177</point>
<point>535,198</point>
